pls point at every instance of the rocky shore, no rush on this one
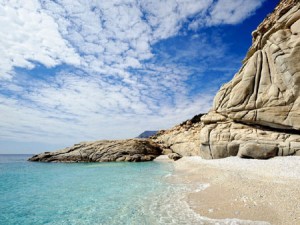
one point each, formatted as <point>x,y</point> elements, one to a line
<point>256,115</point>
<point>131,150</point>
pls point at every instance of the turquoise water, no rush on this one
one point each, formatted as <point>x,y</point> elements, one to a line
<point>81,193</point>
<point>94,193</point>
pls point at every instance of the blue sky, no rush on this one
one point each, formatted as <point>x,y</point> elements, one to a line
<point>77,70</point>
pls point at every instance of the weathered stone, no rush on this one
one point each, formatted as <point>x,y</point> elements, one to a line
<point>257,114</point>
<point>132,150</point>
<point>229,139</point>
<point>182,139</point>
<point>266,89</point>
<point>258,150</point>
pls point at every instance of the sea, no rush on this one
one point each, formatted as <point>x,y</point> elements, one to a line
<point>114,193</point>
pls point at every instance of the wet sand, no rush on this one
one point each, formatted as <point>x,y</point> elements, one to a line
<point>246,189</point>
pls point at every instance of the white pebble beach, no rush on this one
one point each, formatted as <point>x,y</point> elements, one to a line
<point>246,189</point>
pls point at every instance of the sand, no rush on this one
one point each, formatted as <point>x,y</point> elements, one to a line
<point>246,189</point>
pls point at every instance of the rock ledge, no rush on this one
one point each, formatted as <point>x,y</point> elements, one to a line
<point>131,150</point>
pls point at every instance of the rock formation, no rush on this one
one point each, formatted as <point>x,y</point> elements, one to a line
<point>257,114</point>
<point>182,139</point>
<point>132,150</point>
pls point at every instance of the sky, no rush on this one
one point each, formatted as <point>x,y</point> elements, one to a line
<point>80,70</point>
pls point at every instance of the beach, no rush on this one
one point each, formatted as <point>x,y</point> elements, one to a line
<point>245,189</point>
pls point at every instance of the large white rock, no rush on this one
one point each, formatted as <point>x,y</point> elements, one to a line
<point>257,114</point>
<point>266,90</point>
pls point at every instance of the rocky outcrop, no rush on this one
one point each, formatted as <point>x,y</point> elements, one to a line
<point>182,139</point>
<point>132,150</point>
<point>257,114</point>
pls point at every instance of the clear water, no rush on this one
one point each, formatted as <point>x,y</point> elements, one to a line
<point>92,193</point>
<point>82,193</point>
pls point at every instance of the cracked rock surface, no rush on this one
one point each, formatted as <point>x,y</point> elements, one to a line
<point>257,114</point>
<point>266,89</point>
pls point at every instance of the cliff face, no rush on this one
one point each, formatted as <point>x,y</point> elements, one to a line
<point>257,114</point>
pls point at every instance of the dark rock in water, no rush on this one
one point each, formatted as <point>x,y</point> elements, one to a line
<point>131,150</point>
<point>147,134</point>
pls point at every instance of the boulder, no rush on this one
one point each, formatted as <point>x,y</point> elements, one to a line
<point>174,156</point>
<point>258,150</point>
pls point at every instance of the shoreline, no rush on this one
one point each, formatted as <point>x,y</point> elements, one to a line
<point>242,189</point>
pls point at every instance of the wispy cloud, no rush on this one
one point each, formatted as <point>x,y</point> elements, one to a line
<point>107,69</point>
<point>28,34</point>
<point>75,107</point>
<point>226,12</point>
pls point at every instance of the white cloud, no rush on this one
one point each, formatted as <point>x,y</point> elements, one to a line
<point>74,108</point>
<point>227,12</point>
<point>27,34</point>
<point>233,11</point>
<point>108,34</point>
<point>166,17</point>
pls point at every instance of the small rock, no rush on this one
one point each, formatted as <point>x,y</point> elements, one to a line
<point>174,156</point>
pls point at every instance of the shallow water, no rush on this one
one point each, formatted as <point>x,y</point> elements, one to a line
<point>92,193</point>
